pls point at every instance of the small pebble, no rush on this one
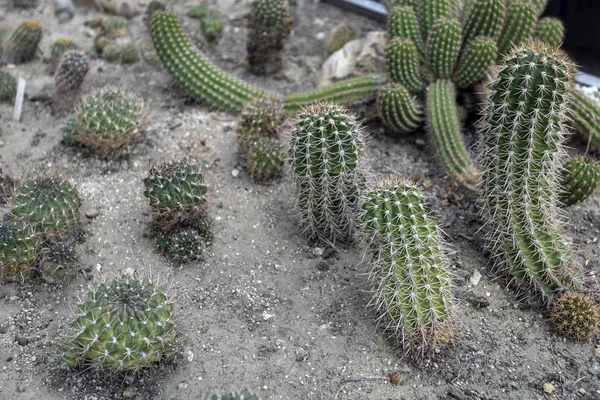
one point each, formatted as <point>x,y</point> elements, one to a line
<point>549,388</point>
<point>582,391</point>
<point>420,142</point>
<point>129,393</point>
<point>182,386</point>
<point>318,251</point>
<point>475,278</point>
<point>13,299</point>
<point>2,143</point>
<point>92,213</point>
<point>235,173</point>
<point>594,370</point>
<point>322,266</point>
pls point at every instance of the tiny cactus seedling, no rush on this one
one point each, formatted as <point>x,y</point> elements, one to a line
<point>243,395</point>
<point>72,69</point>
<point>550,30</point>
<point>128,53</point>
<point>123,325</point>
<point>50,204</point>
<point>115,26</point>
<point>522,134</point>
<point>60,46</point>
<point>261,118</point>
<point>212,25</point>
<point>18,248</point>
<point>575,316</point>
<point>22,44</point>
<point>109,118</point>
<point>411,283</point>
<point>399,110</point>
<point>339,36</point>
<point>265,159</point>
<point>176,192</point>
<point>327,150</point>
<point>269,23</point>
<point>580,178</point>
<point>8,85</point>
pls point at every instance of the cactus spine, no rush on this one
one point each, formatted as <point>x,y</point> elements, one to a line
<point>579,180</point>
<point>23,43</point>
<point>403,64</point>
<point>550,30</point>
<point>522,137</point>
<point>398,109</point>
<point>411,283</point>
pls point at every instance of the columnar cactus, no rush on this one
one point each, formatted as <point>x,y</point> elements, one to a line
<point>576,316</point>
<point>18,248</point>
<point>8,85</point>
<point>269,23</point>
<point>326,150</point>
<point>48,203</point>
<point>522,133</point>
<point>580,178</point>
<point>109,118</point>
<point>71,71</point>
<point>403,64</point>
<point>403,23</point>
<point>485,18</point>
<point>443,46</point>
<point>265,159</point>
<point>411,283</point>
<point>398,109</point>
<point>476,58</point>
<point>123,325</point>
<point>22,44</point>
<point>550,30</point>
<point>429,11</point>
<point>519,25</point>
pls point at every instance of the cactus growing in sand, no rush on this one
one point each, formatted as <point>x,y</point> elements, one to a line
<point>576,316</point>
<point>265,159</point>
<point>580,178</point>
<point>522,133</point>
<point>327,152</point>
<point>71,71</point>
<point>23,42</point>
<point>262,117</point>
<point>123,325</point>
<point>18,248</point>
<point>8,85</point>
<point>410,281</point>
<point>212,25</point>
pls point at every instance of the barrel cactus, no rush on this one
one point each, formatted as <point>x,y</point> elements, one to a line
<point>8,85</point>
<point>576,316</point>
<point>125,324</point>
<point>23,42</point>
<point>72,69</point>
<point>59,47</point>
<point>579,180</point>
<point>18,248</point>
<point>185,245</point>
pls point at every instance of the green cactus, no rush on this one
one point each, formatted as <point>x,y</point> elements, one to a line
<point>8,86</point>
<point>71,71</point>
<point>58,263</point>
<point>243,395</point>
<point>550,30</point>
<point>212,25</point>
<point>478,56</point>
<point>123,325</point>
<point>176,191</point>
<point>398,109</point>
<point>403,64</point>
<point>585,113</point>
<point>339,36</point>
<point>519,25</point>
<point>444,126</point>
<point>151,8</point>
<point>111,53</point>
<point>580,178</point>
<point>109,118</point>
<point>60,46</point>
<point>269,24</point>
<point>198,11</point>
<point>485,18</point>
<point>68,131</point>
<point>261,118</point>
<point>443,46</point>
<point>18,248</point>
<point>429,11</point>
<point>265,159</point>
<point>115,26</point>
<point>410,279</point>
<point>49,203</point>
<point>403,23</point>
<point>522,137</point>
<point>326,149</point>
<point>129,53</point>
<point>576,316</point>
<point>539,6</point>
<point>23,42</point>
<point>100,42</point>
<point>183,246</point>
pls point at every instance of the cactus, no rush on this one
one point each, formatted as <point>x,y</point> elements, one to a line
<point>576,316</point>
<point>151,8</point>
<point>398,109</point>
<point>443,46</point>
<point>108,118</point>
<point>212,25</point>
<point>339,36</point>
<point>129,53</point>
<point>522,137</point>
<point>402,23</point>
<point>123,325</point>
<point>550,30</point>
<point>198,11</point>
<point>442,119</point>
<point>411,283</point>
<point>326,149</point>
<point>478,56</point>
<point>265,159</point>
<point>60,46</point>
<point>261,118</point>
<point>579,180</point>
<point>18,248</point>
<point>111,52</point>
<point>176,191</point>
<point>48,203</point>
<point>585,113</point>
<point>58,263</point>
<point>183,246</point>
<point>429,11</point>
<point>22,44</point>
<point>8,86</point>
<point>68,131</point>
<point>100,42</point>
<point>485,18</point>
<point>243,395</point>
<point>71,71</point>
<point>519,25</point>
<point>539,6</point>
<point>114,26</point>
<point>269,23</point>
<point>403,64</point>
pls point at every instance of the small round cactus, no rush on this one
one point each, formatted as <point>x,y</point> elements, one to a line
<point>176,192</point>
<point>183,246</point>
<point>123,325</point>
<point>212,25</point>
<point>60,46</point>
<point>23,43</point>
<point>129,53</point>
<point>261,118</point>
<point>58,263</point>
<point>109,118</point>
<point>8,85</point>
<point>339,36</point>
<point>48,203</point>
<point>72,69</point>
<point>579,179</point>
<point>265,159</point>
<point>575,315</point>
<point>110,52</point>
<point>18,248</point>
<point>115,26</point>
<point>198,11</point>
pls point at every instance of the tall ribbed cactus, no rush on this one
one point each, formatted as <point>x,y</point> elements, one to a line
<point>403,23</point>
<point>519,25</point>
<point>485,18</point>
<point>443,46</point>
<point>522,134</point>
<point>476,58</point>
<point>411,283</point>
<point>403,64</point>
<point>327,150</point>
<point>23,42</point>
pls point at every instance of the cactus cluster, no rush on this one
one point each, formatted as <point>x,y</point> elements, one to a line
<point>125,324</point>
<point>23,42</point>
<point>269,23</point>
<point>522,134</point>
<point>71,71</point>
<point>326,149</point>
<point>576,316</point>
<point>410,280</point>
<point>580,178</point>
<point>106,119</point>
<point>8,85</point>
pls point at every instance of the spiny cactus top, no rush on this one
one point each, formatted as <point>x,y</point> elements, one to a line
<point>411,284</point>
<point>123,325</point>
<point>18,248</point>
<point>576,316</point>
<point>579,179</point>
<point>71,71</point>
<point>108,118</point>
<point>175,190</point>
<point>48,203</point>
<point>23,42</point>
<point>522,137</point>
<point>326,149</point>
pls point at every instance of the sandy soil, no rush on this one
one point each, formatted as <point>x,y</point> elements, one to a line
<point>267,309</point>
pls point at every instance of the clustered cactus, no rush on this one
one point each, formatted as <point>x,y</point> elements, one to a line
<point>269,23</point>
<point>71,71</point>
<point>212,25</point>
<point>125,324</point>
<point>411,283</point>
<point>8,85</point>
<point>580,178</point>
<point>575,315</point>
<point>23,42</point>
